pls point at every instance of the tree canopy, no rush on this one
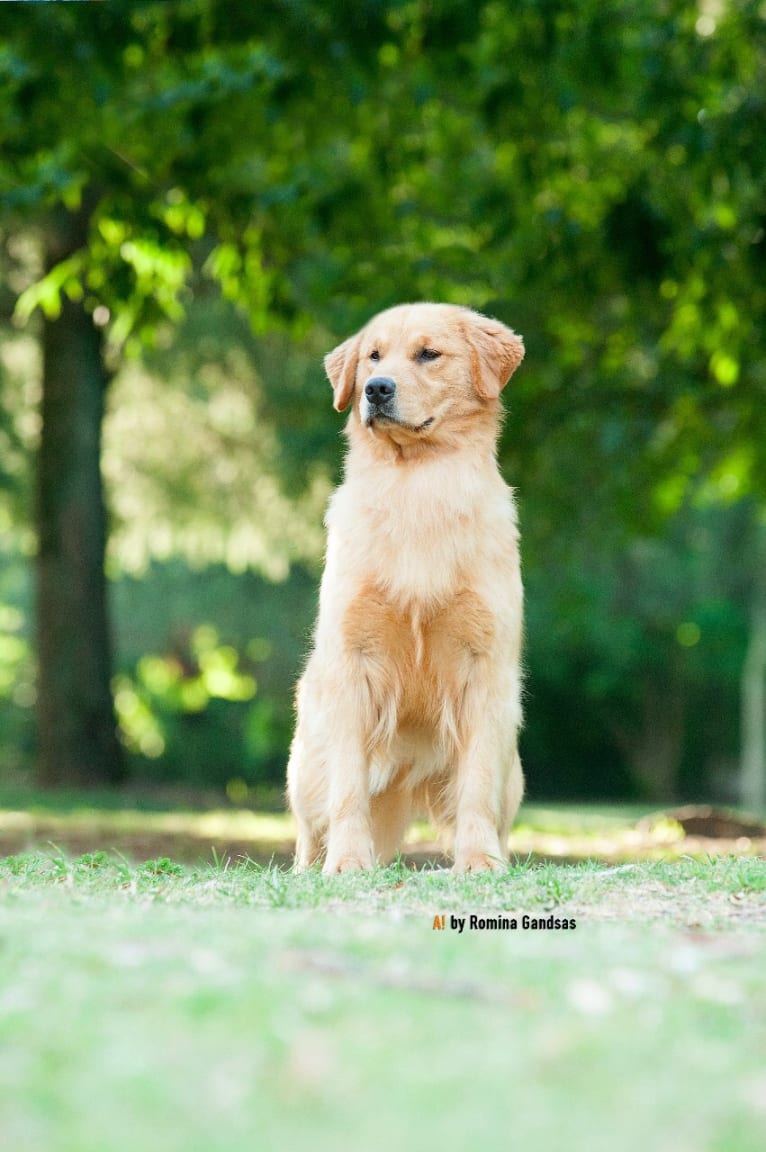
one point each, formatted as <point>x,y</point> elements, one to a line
<point>594,175</point>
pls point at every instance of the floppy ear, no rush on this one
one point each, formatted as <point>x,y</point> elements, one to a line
<point>340,366</point>
<point>496,354</point>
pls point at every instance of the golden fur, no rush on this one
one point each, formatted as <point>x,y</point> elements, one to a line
<point>411,696</point>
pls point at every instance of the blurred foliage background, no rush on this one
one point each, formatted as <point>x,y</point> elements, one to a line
<point>198,198</point>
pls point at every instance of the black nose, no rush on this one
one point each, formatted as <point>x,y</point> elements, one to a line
<point>379,389</point>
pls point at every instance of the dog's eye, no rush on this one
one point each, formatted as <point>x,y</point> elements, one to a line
<point>428,354</point>
<point>375,355</point>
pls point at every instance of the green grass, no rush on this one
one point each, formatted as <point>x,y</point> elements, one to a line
<point>161,1007</point>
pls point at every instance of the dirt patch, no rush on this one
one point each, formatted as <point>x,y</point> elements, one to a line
<point>708,823</point>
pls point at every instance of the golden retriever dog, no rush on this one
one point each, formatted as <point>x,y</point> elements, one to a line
<point>411,697</point>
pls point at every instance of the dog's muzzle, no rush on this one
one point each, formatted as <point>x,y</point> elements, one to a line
<point>380,399</point>
<point>380,404</point>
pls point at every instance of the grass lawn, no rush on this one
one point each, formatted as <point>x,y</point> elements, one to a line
<point>178,1008</point>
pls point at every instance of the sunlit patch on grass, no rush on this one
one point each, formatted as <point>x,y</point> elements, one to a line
<point>559,833</point>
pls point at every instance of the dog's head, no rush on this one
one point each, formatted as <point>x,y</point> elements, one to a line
<point>417,371</point>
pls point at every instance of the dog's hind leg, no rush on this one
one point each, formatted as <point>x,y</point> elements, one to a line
<point>514,792</point>
<point>309,845</point>
<point>306,792</point>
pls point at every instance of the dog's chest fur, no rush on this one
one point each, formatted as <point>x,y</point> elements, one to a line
<point>423,534</point>
<point>419,620</point>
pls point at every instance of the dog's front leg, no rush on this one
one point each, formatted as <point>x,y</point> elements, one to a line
<point>489,784</point>
<point>477,844</point>
<point>349,838</point>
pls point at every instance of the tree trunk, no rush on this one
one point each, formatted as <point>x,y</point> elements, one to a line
<point>76,721</point>
<point>654,749</point>
<point>753,697</point>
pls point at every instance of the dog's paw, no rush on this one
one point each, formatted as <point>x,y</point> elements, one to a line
<point>347,862</point>
<point>474,861</point>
